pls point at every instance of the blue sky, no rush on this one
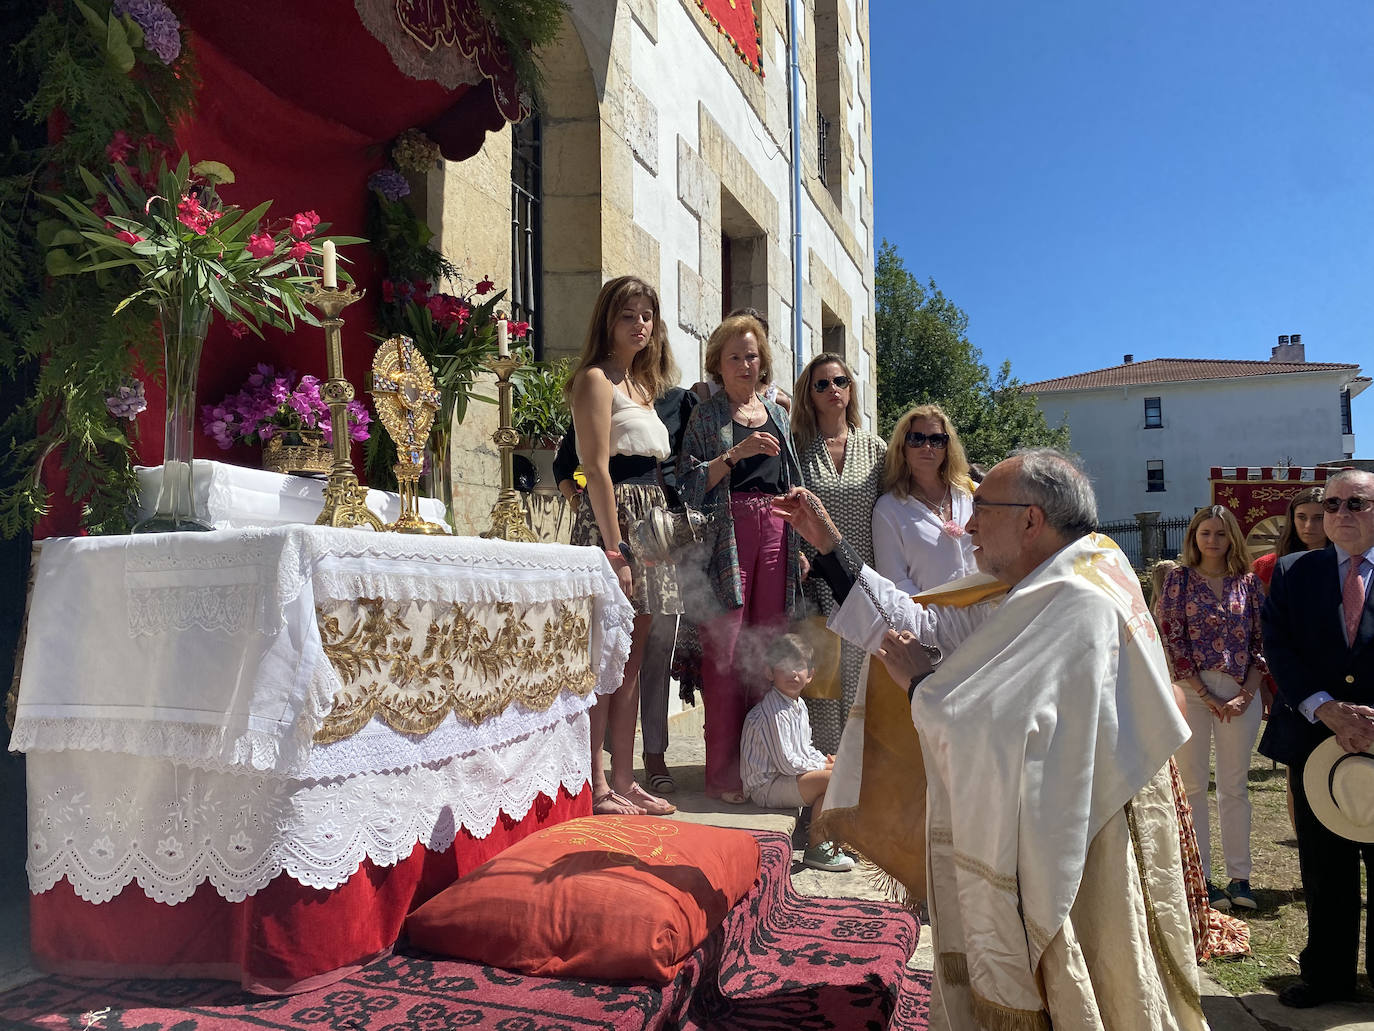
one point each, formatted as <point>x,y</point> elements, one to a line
<point>1092,178</point>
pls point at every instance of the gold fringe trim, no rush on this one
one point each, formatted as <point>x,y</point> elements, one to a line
<point>826,828</point>
<point>1162,954</point>
<point>996,1017</point>
<point>978,868</point>
<point>954,968</point>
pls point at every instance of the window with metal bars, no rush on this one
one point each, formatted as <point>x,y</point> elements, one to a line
<point>822,145</point>
<point>526,232</point>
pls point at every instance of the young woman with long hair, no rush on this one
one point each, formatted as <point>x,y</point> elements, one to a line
<point>1210,621</point>
<point>626,365</point>
<point>1303,530</point>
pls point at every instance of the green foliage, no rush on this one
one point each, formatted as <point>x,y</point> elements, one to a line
<point>401,239</point>
<point>925,356</point>
<point>58,335</point>
<point>540,410</point>
<point>524,26</point>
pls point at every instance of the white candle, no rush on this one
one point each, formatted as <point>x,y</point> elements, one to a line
<point>502,338</point>
<point>331,266</point>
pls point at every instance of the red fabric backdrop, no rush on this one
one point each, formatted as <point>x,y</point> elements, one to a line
<point>299,99</point>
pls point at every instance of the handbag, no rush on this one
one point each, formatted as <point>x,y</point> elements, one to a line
<point>668,535</point>
<point>825,648</point>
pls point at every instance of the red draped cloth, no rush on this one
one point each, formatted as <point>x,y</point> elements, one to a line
<point>287,937</point>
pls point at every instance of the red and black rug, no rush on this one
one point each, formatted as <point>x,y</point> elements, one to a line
<point>779,960</point>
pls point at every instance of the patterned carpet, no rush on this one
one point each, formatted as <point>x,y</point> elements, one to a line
<point>778,961</point>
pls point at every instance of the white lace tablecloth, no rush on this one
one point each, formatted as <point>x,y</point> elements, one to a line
<point>173,684</point>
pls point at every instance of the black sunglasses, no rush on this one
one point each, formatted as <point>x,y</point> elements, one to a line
<point>939,441</point>
<point>822,385</point>
<point>1354,504</point>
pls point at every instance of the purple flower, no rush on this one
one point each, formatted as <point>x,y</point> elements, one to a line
<point>390,183</point>
<point>127,401</point>
<point>161,30</point>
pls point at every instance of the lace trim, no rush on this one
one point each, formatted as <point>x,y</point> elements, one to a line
<point>102,820</point>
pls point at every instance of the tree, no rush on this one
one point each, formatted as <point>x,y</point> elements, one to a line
<point>925,357</point>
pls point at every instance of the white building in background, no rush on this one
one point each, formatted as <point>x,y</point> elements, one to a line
<point>1149,431</point>
<point>659,152</point>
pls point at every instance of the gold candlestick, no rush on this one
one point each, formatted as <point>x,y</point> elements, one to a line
<point>509,520</point>
<point>345,499</point>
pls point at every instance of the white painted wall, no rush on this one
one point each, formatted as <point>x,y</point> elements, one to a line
<point>677,71</point>
<point>1288,418</point>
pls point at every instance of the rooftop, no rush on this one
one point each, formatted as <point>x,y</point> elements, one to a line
<point>1179,370</point>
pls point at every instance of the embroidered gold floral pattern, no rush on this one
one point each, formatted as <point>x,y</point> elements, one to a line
<point>410,664</point>
<point>638,839</point>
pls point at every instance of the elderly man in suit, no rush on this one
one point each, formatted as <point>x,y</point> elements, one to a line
<point>1319,641</point>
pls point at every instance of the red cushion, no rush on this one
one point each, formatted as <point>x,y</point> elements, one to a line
<point>608,897</point>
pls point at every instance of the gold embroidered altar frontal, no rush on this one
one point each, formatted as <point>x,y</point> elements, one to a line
<point>410,663</point>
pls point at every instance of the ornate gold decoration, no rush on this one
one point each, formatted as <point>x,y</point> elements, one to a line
<point>1264,536</point>
<point>508,519</point>
<point>403,388</point>
<point>309,456</point>
<point>410,664</point>
<point>636,839</point>
<point>345,499</point>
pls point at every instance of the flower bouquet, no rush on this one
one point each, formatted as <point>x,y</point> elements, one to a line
<point>286,416</point>
<point>193,256</point>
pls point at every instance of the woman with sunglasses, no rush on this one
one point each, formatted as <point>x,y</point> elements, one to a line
<point>918,525</point>
<point>1302,531</point>
<point>842,465</point>
<point>1210,622</point>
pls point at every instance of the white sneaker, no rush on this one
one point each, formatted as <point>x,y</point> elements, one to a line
<point>828,857</point>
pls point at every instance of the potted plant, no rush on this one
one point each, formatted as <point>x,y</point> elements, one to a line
<point>541,415</point>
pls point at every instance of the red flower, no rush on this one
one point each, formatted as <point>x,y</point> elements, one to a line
<point>303,223</point>
<point>101,206</point>
<point>190,215</point>
<point>519,330</point>
<point>261,245</point>
<point>484,286</point>
<point>419,291</point>
<point>238,329</point>
<point>119,148</point>
<point>128,237</point>
<point>299,250</point>
<point>388,291</point>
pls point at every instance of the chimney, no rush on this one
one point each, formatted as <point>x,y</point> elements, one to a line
<point>1126,359</point>
<point>1289,349</point>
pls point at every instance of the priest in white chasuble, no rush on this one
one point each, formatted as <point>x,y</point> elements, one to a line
<point>1054,879</point>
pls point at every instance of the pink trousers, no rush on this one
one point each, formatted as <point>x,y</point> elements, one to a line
<point>733,644</point>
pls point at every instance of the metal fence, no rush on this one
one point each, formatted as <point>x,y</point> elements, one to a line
<point>1128,533</point>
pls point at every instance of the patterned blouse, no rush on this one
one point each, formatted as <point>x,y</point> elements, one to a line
<point>848,497</point>
<point>1202,631</point>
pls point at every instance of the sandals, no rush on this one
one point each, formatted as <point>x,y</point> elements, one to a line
<point>661,783</point>
<point>647,803</point>
<point>614,804</point>
<point>731,797</point>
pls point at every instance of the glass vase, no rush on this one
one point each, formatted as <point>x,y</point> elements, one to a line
<point>439,459</point>
<point>183,335</point>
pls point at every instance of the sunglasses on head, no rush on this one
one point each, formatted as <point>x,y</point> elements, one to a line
<point>939,441</point>
<point>1354,504</point>
<point>822,385</point>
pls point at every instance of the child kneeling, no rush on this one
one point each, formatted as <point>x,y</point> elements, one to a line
<point>778,764</point>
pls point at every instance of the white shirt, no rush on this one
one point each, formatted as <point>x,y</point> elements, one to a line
<point>912,548</point>
<point>776,742</point>
<point>1309,705</point>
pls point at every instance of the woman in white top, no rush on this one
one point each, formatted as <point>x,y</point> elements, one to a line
<point>626,364</point>
<point>919,540</point>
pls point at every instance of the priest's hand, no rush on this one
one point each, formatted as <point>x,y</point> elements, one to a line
<point>903,656</point>
<point>805,513</point>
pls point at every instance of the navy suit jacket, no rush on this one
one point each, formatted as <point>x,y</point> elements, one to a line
<point>1305,646</point>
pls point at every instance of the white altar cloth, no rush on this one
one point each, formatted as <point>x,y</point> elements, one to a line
<point>172,686</point>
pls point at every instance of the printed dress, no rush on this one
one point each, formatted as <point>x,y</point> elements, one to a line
<point>849,498</point>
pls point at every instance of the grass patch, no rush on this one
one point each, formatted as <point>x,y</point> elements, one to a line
<point>1278,927</point>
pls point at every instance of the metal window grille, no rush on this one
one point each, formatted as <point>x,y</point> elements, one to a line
<point>822,147</point>
<point>526,236</point>
<point>1346,426</point>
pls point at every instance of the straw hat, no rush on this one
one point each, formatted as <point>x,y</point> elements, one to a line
<point>1340,789</point>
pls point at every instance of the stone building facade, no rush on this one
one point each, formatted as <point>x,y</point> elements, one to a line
<point>657,151</point>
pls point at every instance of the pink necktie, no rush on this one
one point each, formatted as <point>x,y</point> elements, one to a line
<point>1352,598</point>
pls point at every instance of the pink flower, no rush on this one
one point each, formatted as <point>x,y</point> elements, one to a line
<point>261,245</point>
<point>101,207</point>
<point>388,291</point>
<point>519,330</point>
<point>484,286</point>
<point>239,330</point>
<point>303,223</point>
<point>299,250</point>
<point>119,148</point>
<point>128,237</point>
